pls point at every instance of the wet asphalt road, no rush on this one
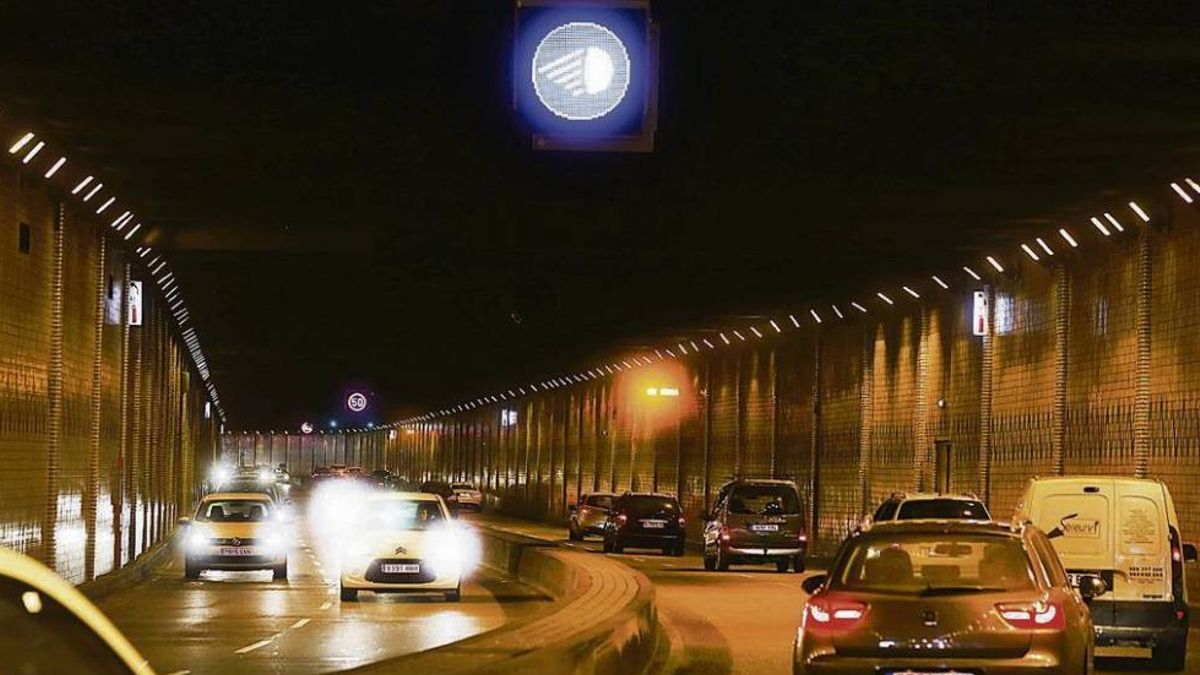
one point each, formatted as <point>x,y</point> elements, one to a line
<point>243,622</point>
<point>740,622</point>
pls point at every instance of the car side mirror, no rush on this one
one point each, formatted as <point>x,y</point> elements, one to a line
<point>814,583</point>
<point>1091,586</point>
<point>184,522</point>
<point>1189,553</point>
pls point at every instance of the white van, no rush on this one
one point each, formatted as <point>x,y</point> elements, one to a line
<point>1125,531</point>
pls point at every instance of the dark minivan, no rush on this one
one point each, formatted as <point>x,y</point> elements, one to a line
<point>756,521</point>
<point>645,520</point>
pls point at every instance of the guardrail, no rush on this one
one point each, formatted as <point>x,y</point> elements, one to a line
<point>603,620</point>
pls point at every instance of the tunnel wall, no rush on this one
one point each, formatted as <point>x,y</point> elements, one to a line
<point>1092,366</point>
<point>102,424</point>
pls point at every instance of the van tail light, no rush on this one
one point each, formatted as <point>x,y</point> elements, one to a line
<point>1033,615</point>
<point>823,613</point>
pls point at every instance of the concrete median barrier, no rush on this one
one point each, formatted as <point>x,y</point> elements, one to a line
<point>602,620</point>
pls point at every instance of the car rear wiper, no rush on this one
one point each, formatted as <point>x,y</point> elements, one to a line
<point>955,590</point>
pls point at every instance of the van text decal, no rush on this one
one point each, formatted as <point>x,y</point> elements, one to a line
<point>1074,526</point>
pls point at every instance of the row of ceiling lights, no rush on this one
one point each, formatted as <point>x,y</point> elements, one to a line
<point>1106,225</point>
<point>88,188</point>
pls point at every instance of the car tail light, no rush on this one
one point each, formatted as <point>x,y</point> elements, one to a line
<point>682,521</point>
<point>802,537</point>
<point>622,519</point>
<point>836,615</point>
<point>724,533</point>
<point>1033,615</point>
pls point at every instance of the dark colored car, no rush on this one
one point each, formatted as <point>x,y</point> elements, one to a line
<point>442,489</point>
<point>756,521</point>
<point>642,520</point>
<point>904,506</point>
<point>385,480</point>
<point>946,597</point>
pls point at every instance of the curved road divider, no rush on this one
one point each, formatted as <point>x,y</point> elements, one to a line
<point>602,622</point>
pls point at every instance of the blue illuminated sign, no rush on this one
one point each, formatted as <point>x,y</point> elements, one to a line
<point>583,72</point>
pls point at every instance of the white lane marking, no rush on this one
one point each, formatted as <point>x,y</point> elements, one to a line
<point>327,605</point>
<point>180,672</point>
<point>639,559</point>
<point>668,564</point>
<point>745,576</point>
<point>250,648</point>
<point>300,624</point>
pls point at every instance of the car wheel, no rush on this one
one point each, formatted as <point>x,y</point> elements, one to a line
<point>572,533</point>
<point>617,546</point>
<point>454,595</point>
<point>190,570</point>
<point>280,571</point>
<point>349,594</point>
<point>722,561</point>
<point>798,563</point>
<point>710,560</point>
<point>781,565</point>
<point>1171,656</point>
<point>679,550</point>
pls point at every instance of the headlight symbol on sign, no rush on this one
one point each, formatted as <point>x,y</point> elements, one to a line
<point>580,71</point>
<point>356,402</point>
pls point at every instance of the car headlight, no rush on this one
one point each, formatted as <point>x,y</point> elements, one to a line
<point>266,476</point>
<point>198,538</point>
<point>452,551</point>
<point>273,541</point>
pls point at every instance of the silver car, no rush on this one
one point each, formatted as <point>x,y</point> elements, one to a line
<point>589,515</point>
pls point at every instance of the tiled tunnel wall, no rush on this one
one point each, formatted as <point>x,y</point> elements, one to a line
<point>102,424</point>
<point>1092,366</point>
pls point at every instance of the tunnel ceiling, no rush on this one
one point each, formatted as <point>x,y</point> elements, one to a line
<point>348,198</point>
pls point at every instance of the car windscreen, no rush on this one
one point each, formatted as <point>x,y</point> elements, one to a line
<point>934,564</point>
<point>41,636</point>
<point>647,506</point>
<point>403,514</point>
<point>463,486</point>
<point>770,500</point>
<point>949,509</point>
<point>234,511</point>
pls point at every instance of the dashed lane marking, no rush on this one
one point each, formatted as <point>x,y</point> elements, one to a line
<point>252,647</point>
<point>301,623</point>
<point>327,605</point>
<point>180,672</point>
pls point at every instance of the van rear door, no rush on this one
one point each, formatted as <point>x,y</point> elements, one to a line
<point>1143,550</point>
<point>1077,517</point>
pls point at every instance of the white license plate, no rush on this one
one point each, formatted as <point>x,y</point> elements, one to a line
<point>236,550</point>
<point>1122,652</point>
<point>654,524</point>
<point>400,568</point>
<point>764,527</point>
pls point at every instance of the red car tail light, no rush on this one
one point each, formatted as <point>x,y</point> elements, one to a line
<point>622,519</point>
<point>682,521</point>
<point>1033,615</point>
<point>835,615</point>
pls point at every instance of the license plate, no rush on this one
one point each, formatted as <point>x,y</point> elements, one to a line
<point>237,550</point>
<point>1122,652</point>
<point>654,524</point>
<point>1074,577</point>
<point>764,527</point>
<point>400,568</point>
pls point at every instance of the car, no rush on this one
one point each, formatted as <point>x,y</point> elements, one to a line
<point>249,484</point>
<point>756,520</point>
<point>589,515</point>
<point>51,627</point>
<point>468,496</point>
<point>946,596</point>
<point>1126,531</point>
<point>441,489</point>
<point>404,542</point>
<point>235,531</point>
<point>645,520</point>
<point>924,505</point>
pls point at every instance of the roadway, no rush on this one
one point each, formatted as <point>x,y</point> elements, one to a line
<point>228,623</point>
<point>740,622</point>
